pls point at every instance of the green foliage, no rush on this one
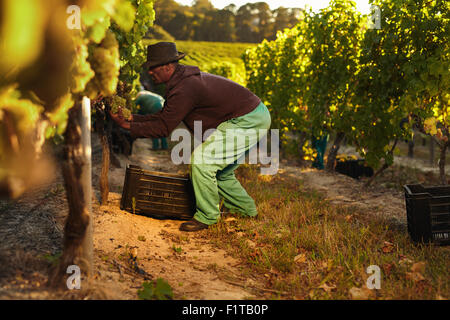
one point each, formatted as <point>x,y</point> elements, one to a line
<point>155,290</point>
<point>332,73</point>
<point>425,28</point>
<point>224,69</point>
<point>132,49</point>
<point>333,44</point>
<point>47,67</point>
<point>275,72</point>
<point>177,249</point>
<point>53,259</point>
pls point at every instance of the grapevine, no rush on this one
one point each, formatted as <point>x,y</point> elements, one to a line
<point>332,73</point>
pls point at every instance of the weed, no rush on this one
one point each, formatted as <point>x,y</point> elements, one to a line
<point>155,290</point>
<point>52,258</point>
<point>177,249</point>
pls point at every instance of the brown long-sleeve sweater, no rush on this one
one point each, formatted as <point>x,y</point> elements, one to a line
<point>192,95</point>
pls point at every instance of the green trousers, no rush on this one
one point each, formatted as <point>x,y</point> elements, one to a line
<point>214,161</point>
<point>320,144</point>
<point>156,146</point>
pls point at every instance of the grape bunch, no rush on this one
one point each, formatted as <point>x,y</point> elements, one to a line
<point>117,102</point>
<point>105,63</point>
<point>81,70</point>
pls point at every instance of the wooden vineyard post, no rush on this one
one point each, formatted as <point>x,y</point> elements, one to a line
<point>100,128</point>
<point>76,169</point>
<point>86,178</point>
<point>431,152</point>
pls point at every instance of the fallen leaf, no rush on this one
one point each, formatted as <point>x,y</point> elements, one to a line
<point>360,294</point>
<point>414,276</point>
<point>326,287</point>
<point>265,178</point>
<point>230,219</point>
<point>250,243</point>
<point>418,267</point>
<point>230,230</point>
<point>272,270</point>
<point>300,258</point>
<point>404,260</point>
<point>348,218</point>
<point>387,247</point>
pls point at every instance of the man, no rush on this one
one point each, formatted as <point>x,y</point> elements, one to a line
<point>220,104</point>
<point>150,103</point>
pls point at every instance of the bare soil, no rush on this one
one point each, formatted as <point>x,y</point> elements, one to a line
<point>31,231</point>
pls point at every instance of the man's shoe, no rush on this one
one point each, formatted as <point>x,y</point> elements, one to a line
<point>193,225</point>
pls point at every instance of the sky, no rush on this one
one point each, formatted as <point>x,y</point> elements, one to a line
<point>362,5</point>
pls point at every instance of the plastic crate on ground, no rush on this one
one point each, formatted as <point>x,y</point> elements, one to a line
<point>428,213</point>
<point>354,168</point>
<point>157,194</point>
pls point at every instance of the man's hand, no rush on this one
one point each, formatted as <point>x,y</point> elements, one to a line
<point>120,120</point>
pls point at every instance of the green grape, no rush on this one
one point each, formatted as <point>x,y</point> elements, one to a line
<point>126,113</point>
<point>116,102</point>
<point>98,30</point>
<point>91,90</point>
<point>24,112</point>
<point>59,116</point>
<point>81,69</point>
<point>105,63</point>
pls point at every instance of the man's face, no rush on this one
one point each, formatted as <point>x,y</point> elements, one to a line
<point>160,74</point>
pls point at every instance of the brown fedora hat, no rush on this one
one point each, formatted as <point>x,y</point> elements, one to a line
<point>162,53</point>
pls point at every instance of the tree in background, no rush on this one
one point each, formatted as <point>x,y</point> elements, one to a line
<point>252,22</point>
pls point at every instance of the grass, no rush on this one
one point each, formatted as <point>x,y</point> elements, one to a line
<point>205,54</point>
<point>306,248</point>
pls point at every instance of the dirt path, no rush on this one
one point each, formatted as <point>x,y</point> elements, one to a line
<point>187,261</point>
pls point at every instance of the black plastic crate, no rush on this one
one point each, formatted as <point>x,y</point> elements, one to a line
<point>157,194</point>
<point>428,213</point>
<point>354,168</point>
